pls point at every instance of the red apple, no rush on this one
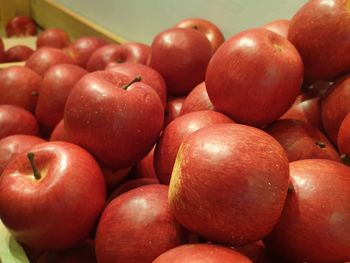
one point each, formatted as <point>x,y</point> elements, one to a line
<point>140,52</point>
<point>44,58</point>
<point>301,140</point>
<point>53,37</point>
<point>209,29</point>
<point>113,178</point>
<point>137,227</point>
<point>197,100</point>
<point>20,26</point>
<point>148,76</point>
<point>202,253</point>
<point>59,133</point>
<point>2,52</point>
<point>145,167</point>
<point>175,133</point>
<point>16,120</point>
<point>314,225</point>
<point>279,26</point>
<point>181,56</point>
<point>320,30</point>
<point>18,53</point>
<point>257,252</point>
<point>316,89</point>
<point>12,145</point>
<point>82,48</point>
<point>43,200</point>
<point>173,109</point>
<point>254,77</point>
<point>343,140</point>
<point>229,183</point>
<point>58,82</point>
<point>117,122</point>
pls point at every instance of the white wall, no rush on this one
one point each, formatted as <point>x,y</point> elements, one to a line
<point>141,20</point>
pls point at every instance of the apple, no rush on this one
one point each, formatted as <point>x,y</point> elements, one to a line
<point>16,120</point>
<point>82,48</point>
<point>113,178</point>
<point>175,133</point>
<point>279,26</point>
<point>20,26</point>
<point>301,140</point>
<point>229,183</point>
<point>314,225</point>
<point>140,51</point>
<point>319,30</point>
<point>58,81</point>
<point>173,109</point>
<point>19,86</point>
<point>257,252</point>
<point>343,140</point>
<point>53,37</point>
<point>43,199</point>
<point>138,226</point>
<point>18,53</point>
<point>118,121</point>
<point>181,56</point>
<point>202,253</point>
<point>254,77</point>
<point>334,106</point>
<point>209,29</point>
<point>147,74</point>
<point>12,145</point>
<point>197,100</point>
<point>145,167</point>
<point>44,58</point>
<point>316,89</point>
<point>59,133</point>
<point>2,52</point>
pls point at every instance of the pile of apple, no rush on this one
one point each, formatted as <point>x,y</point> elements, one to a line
<point>193,149</point>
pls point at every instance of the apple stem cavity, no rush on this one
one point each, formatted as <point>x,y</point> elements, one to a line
<point>345,159</point>
<point>37,174</point>
<point>321,144</point>
<point>35,93</point>
<point>290,188</point>
<point>136,79</point>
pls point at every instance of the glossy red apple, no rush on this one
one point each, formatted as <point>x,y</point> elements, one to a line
<point>113,178</point>
<point>43,199</point>
<point>301,140</point>
<point>343,140</point>
<point>175,133</point>
<point>197,100</point>
<point>254,77</point>
<point>316,89</point>
<point>118,121</point>
<point>279,26</point>
<point>145,167</point>
<point>12,145</point>
<point>44,58</point>
<point>209,29</point>
<point>229,183</point>
<point>314,225</point>
<point>173,109</point>
<point>20,26</point>
<point>202,253</point>
<point>18,53</point>
<point>53,37</point>
<point>137,227</point>
<point>140,51</point>
<point>320,30</point>
<point>58,82</point>
<point>59,133</point>
<point>181,56</point>
<point>16,120</point>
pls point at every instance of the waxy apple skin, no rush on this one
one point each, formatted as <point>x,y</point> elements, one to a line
<point>52,213</point>
<point>18,53</point>
<point>53,37</point>
<point>343,140</point>
<point>314,225</point>
<point>229,183</point>
<point>20,26</point>
<point>173,109</point>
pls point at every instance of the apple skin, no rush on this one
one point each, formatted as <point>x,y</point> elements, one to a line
<point>314,224</point>
<point>320,30</point>
<point>2,52</point>
<point>301,140</point>
<point>20,26</point>
<point>229,156</point>
<point>197,100</point>
<point>175,133</point>
<point>140,52</point>
<point>51,213</point>
<point>44,58</point>
<point>19,86</point>
<point>173,109</point>
<point>16,120</point>
<point>279,26</point>
<point>343,140</point>
<point>145,167</point>
<point>53,37</point>
<point>82,48</point>
<point>181,56</point>
<point>257,253</point>
<point>334,106</point>
<point>59,133</point>
<point>263,96</point>
<point>58,82</point>
<point>12,145</point>
<point>125,130</point>
<point>113,178</point>
<point>209,29</point>
<point>148,76</point>
<point>18,53</point>
<point>202,253</point>
<point>138,226</point>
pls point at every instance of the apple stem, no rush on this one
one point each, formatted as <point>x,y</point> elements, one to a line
<point>35,93</point>
<point>136,79</point>
<point>195,27</point>
<point>37,174</point>
<point>345,159</point>
<point>321,144</point>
